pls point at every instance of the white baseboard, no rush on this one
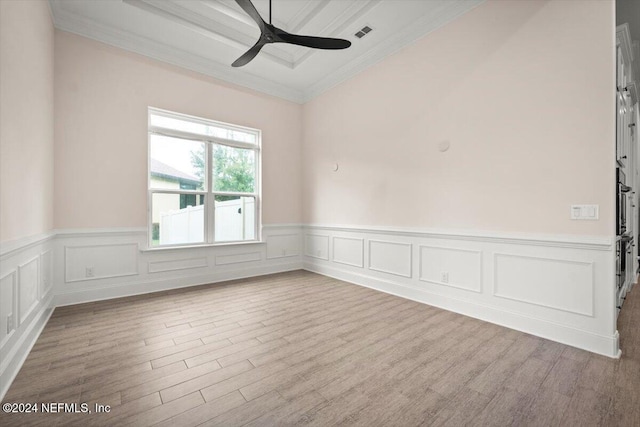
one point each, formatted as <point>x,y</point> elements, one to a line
<point>556,287</point>
<point>19,352</point>
<point>605,345</point>
<point>157,285</point>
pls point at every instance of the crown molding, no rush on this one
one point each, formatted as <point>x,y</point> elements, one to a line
<point>76,24</point>
<point>210,28</point>
<point>420,28</point>
<point>73,23</point>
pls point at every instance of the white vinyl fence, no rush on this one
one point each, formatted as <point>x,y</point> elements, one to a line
<point>182,226</point>
<point>234,220</point>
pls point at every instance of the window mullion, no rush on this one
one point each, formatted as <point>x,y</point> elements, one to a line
<point>211,206</point>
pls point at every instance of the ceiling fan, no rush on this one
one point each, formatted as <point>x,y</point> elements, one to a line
<point>272,34</point>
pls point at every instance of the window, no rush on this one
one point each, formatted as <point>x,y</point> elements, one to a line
<point>203,181</point>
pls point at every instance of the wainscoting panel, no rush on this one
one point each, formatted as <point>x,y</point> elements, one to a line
<point>348,251</point>
<point>238,258</point>
<point>283,245</point>
<point>28,285</point>
<point>458,268</point>
<point>390,257</point>
<point>134,269</point>
<point>560,284</point>
<point>104,261</point>
<point>46,272</point>
<point>26,291</point>
<point>8,306</point>
<point>557,287</point>
<point>177,264</point>
<point>317,246</point>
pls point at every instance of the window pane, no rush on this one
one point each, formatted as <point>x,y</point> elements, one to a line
<point>202,128</point>
<point>177,219</point>
<point>176,163</point>
<point>234,169</point>
<point>235,218</point>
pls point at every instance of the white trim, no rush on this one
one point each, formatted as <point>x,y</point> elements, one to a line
<point>209,192</point>
<point>411,33</point>
<point>409,275</point>
<point>555,307</point>
<point>240,258</point>
<point>14,305</point>
<point>181,264</point>
<point>27,312</point>
<point>43,273</point>
<point>148,286</point>
<point>596,343</point>
<point>333,251</point>
<point>294,235</point>
<point>594,254</point>
<point>200,246</point>
<point>601,243</point>
<point>10,247</point>
<point>15,358</point>
<point>105,276</point>
<point>86,27</point>
<point>450,284</point>
<point>306,235</point>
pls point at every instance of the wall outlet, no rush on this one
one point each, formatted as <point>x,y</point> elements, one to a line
<point>89,272</point>
<point>318,252</point>
<point>284,252</point>
<point>444,277</point>
<point>9,323</point>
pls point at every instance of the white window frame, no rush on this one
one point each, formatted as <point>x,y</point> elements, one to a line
<point>209,194</point>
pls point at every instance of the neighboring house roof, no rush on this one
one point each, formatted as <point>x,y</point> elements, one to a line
<point>163,170</point>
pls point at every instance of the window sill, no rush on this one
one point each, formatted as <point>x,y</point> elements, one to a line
<point>204,246</point>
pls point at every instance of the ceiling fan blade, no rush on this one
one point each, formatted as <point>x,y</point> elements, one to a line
<point>248,55</point>
<point>314,42</point>
<point>248,7</point>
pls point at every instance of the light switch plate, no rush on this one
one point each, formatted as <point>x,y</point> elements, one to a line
<point>585,212</point>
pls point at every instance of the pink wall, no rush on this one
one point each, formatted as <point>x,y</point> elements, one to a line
<point>102,95</point>
<point>522,90</point>
<point>26,119</point>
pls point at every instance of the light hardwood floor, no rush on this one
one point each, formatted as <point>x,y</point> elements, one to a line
<point>302,349</point>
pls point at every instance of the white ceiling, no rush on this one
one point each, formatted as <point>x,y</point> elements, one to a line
<point>208,35</point>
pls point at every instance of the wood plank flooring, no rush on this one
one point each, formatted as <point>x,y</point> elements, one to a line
<point>302,349</point>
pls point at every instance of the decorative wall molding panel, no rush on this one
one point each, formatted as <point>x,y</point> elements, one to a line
<point>46,268</point>
<point>560,289</point>
<point>238,258</point>
<point>458,268</point>
<point>100,261</point>
<point>26,291</point>
<point>348,250</point>
<point>316,246</point>
<point>390,257</point>
<point>177,264</point>
<point>283,245</point>
<point>560,284</point>
<point>121,275</point>
<point>8,306</point>
<point>28,285</point>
